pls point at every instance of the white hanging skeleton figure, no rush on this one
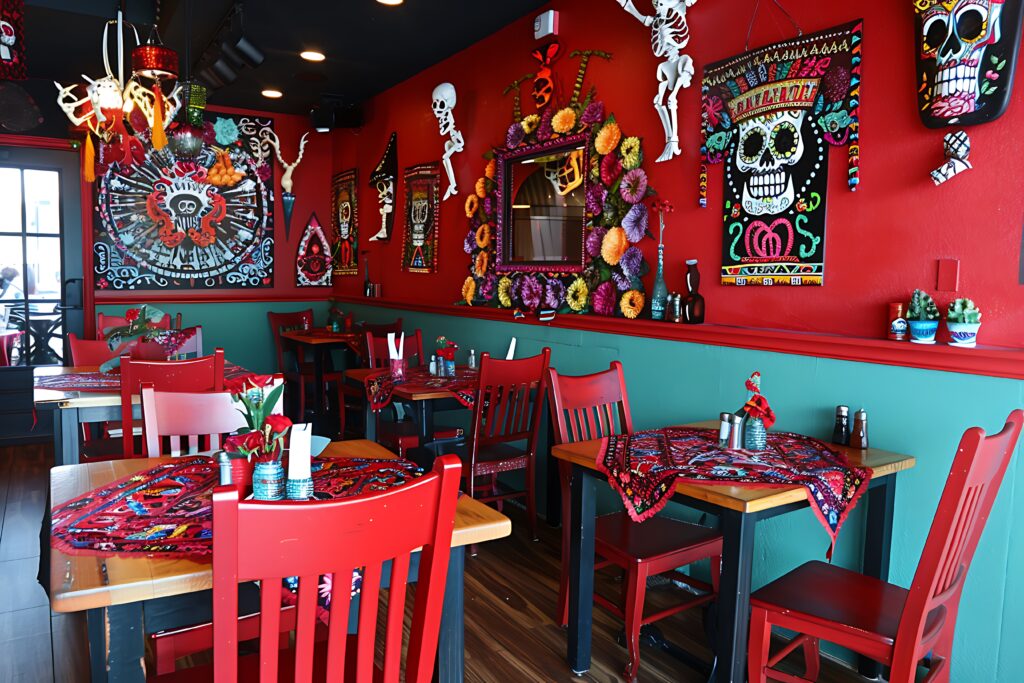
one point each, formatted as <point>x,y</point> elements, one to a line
<point>286,178</point>
<point>443,106</point>
<point>669,36</point>
<point>386,196</point>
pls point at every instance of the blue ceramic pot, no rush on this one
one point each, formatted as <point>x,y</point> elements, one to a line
<point>923,331</point>
<point>268,481</point>
<point>963,334</point>
<point>755,436</point>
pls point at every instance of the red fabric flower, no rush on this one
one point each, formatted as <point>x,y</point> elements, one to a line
<point>758,406</point>
<point>132,314</point>
<point>278,424</point>
<point>248,443</point>
<point>243,384</point>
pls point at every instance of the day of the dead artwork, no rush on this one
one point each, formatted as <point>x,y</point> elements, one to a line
<point>345,216</point>
<point>313,257</point>
<point>966,58</point>
<point>190,221</point>
<point>770,116</point>
<point>422,212</point>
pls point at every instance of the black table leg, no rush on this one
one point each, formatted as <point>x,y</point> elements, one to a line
<point>733,604</point>
<point>121,627</point>
<point>426,421</point>
<point>581,568</point>
<point>370,422</point>
<point>451,641</point>
<point>65,436</point>
<point>320,417</point>
<point>881,499</point>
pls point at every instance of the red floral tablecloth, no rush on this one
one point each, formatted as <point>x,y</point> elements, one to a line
<point>108,382</point>
<point>464,387</point>
<point>644,467</point>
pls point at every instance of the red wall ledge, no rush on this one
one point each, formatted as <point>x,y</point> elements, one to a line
<point>137,298</point>
<point>992,361</point>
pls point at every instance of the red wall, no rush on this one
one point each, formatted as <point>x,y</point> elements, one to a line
<point>882,241</point>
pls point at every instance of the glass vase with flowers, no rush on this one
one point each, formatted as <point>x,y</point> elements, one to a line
<point>261,442</point>
<point>446,349</point>
<point>760,416</point>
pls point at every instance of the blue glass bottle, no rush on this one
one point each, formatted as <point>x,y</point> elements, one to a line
<point>660,292</point>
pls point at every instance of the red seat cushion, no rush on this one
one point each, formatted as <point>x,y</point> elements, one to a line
<point>497,458</point>
<point>653,538</point>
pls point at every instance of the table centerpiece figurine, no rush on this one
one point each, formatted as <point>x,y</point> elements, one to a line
<point>759,416</point>
<point>963,319</point>
<point>262,439</point>
<point>923,317</point>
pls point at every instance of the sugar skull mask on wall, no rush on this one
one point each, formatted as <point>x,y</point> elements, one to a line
<point>966,57</point>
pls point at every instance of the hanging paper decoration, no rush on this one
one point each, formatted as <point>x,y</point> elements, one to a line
<point>287,197</point>
<point>422,218</point>
<point>199,221</point>
<point>966,58</point>
<point>313,259</point>
<point>670,34</point>
<point>544,80</point>
<point>12,40</point>
<point>346,222</point>
<point>771,115</point>
<point>383,181</point>
<point>443,106</point>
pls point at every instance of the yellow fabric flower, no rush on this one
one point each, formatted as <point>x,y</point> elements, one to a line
<point>480,266</point>
<point>491,168</point>
<point>483,236</point>
<point>577,295</point>
<point>469,290</point>
<point>608,139</point>
<point>630,152</point>
<point>472,204</point>
<point>564,121</point>
<point>481,188</point>
<point>614,245</point>
<point>632,303</point>
<point>505,292</point>
<point>530,123</point>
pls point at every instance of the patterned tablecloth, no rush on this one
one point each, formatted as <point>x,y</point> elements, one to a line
<point>644,467</point>
<point>108,382</point>
<point>464,387</point>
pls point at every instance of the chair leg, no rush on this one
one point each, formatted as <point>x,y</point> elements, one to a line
<point>757,649</point>
<point>716,572</point>
<point>341,408</point>
<point>563,584</point>
<point>636,591</point>
<point>531,499</point>
<point>812,659</point>
<point>943,649</point>
<point>302,399</point>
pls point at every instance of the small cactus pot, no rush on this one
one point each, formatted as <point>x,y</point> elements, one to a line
<point>923,331</point>
<point>963,334</point>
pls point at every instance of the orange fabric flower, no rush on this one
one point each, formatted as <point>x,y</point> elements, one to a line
<point>491,169</point>
<point>481,188</point>
<point>614,245</point>
<point>469,290</point>
<point>472,204</point>
<point>632,303</point>
<point>480,267</point>
<point>608,139</point>
<point>483,236</point>
<point>564,121</point>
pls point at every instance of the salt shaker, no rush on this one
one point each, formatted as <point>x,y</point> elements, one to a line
<point>735,431</point>
<point>724,429</point>
<point>859,436</point>
<point>472,359</point>
<point>224,463</point>
<point>433,366</point>
<point>841,432</point>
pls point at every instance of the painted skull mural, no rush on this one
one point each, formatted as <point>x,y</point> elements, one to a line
<point>770,117</point>
<point>966,57</point>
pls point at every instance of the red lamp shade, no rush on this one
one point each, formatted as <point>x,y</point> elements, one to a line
<point>155,61</point>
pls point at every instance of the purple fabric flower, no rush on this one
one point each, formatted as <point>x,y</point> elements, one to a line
<point>263,172</point>
<point>594,240</point>
<point>634,186</point>
<point>622,282</point>
<point>530,291</point>
<point>594,113</point>
<point>475,222</point>
<point>554,293</point>
<point>485,288</point>
<point>544,130</point>
<point>603,299</point>
<point>488,205</point>
<point>635,222</point>
<point>469,244</point>
<point>631,261</point>
<point>595,198</point>
<point>611,169</point>
<point>515,136</point>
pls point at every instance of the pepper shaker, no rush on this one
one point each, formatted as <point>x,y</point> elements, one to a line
<point>841,432</point>
<point>724,429</point>
<point>735,431</point>
<point>859,436</point>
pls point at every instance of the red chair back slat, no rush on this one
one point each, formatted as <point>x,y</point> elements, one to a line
<point>89,351</point>
<point>378,356</point>
<point>382,329</point>
<point>971,488</point>
<point>510,400</point>
<point>589,406</point>
<point>267,541</point>
<point>280,322</point>
<point>193,375</point>
<point>104,322</point>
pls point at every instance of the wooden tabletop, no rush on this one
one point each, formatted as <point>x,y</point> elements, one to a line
<point>73,399</point>
<point>404,392</point>
<point>77,582</point>
<point>319,336</point>
<point>744,498</point>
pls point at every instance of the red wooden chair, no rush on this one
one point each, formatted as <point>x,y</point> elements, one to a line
<point>377,354</point>
<point>382,329</point>
<point>88,352</point>
<point>593,407</point>
<point>264,541</point>
<point>889,624</point>
<point>299,370</point>
<point>104,321</point>
<point>396,435</point>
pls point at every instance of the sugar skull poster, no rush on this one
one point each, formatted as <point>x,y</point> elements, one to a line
<point>770,116</point>
<point>345,210</point>
<point>313,258</point>
<point>422,214</point>
<point>966,58</point>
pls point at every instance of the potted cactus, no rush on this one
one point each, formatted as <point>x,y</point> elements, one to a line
<point>923,316</point>
<point>963,319</point>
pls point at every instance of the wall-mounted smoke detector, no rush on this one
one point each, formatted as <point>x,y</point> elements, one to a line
<point>546,25</point>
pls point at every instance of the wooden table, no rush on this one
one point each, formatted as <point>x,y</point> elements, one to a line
<point>111,589</point>
<point>321,342</point>
<point>739,509</point>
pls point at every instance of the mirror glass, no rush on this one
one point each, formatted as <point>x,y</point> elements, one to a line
<point>547,209</point>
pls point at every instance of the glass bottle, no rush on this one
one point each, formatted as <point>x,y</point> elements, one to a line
<point>841,431</point>
<point>472,359</point>
<point>693,304</point>
<point>660,292</point>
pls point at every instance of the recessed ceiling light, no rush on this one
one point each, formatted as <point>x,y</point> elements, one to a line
<point>391,2</point>
<point>272,94</point>
<point>312,56</point>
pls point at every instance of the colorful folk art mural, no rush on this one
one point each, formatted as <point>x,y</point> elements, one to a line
<point>183,222</point>
<point>12,40</point>
<point>422,218</point>
<point>345,216</point>
<point>313,258</point>
<point>770,116</point>
<point>966,58</point>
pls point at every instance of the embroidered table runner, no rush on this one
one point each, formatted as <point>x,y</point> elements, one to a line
<point>644,467</point>
<point>463,387</point>
<point>109,382</point>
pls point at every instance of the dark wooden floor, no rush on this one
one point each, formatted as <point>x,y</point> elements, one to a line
<point>511,588</point>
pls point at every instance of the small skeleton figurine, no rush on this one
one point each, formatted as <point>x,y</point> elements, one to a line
<point>669,36</point>
<point>444,103</point>
<point>286,179</point>
<point>957,146</point>
<point>383,181</point>
<point>420,229</point>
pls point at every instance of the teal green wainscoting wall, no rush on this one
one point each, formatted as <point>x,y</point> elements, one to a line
<point>918,412</point>
<point>240,328</point>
